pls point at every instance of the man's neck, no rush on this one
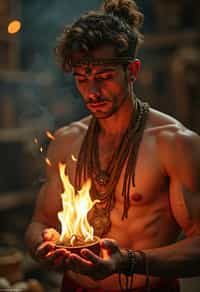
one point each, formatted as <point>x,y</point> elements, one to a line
<point>117,124</point>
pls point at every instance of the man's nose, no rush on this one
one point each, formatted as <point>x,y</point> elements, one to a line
<point>93,95</point>
<point>93,92</point>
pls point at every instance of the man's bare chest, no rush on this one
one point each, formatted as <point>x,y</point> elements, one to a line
<point>150,221</point>
<point>149,206</point>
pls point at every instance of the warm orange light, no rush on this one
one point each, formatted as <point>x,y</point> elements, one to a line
<point>35,140</point>
<point>74,158</point>
<point>14,26</point>
<point>48,162</point>
<point>49,135</point>
<point>73,217</point>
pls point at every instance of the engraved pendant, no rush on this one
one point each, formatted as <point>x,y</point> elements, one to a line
<point>99,218</point>
<point>102,178</point>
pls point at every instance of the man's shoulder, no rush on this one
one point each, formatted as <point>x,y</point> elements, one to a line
<point>173,139</point>
<point>163,126</point>
<point>167,129</point>
<point>74,129</point>
<point>66,139</point>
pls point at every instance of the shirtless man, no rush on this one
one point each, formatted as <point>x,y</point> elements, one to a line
<point>164,199</point>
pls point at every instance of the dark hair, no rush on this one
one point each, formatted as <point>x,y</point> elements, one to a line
<point>116,23</point>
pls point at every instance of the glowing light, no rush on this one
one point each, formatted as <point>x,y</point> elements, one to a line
<point>41,149</point>
<point>48,162</point>
<point>35,140</point>
<point>74,158</point>
<point>49,135</point>
<point>73,217</point>
<point>14,26</point>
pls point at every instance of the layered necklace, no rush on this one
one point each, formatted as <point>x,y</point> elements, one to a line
<point>125,156</point>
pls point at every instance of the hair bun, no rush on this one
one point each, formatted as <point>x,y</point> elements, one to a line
<point>126,10</point>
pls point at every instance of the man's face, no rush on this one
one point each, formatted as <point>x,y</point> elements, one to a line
<point>104,87</point>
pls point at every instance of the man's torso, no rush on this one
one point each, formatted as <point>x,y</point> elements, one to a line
<point>154,211</point>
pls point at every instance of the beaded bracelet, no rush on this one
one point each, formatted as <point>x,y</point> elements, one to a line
<point>146,267</point>
<point>131,269</point>
<point>129,273</point>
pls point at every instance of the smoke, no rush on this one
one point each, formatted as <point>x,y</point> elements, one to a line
<point>51,90</point>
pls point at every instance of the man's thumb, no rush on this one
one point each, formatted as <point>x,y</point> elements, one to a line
<point>109,245</point>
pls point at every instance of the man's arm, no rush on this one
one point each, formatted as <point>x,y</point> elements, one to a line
<point>180,154</point>
<point>45,224</point>
<point>47,206</point>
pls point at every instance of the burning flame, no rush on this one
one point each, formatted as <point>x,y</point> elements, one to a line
<point>74,158</point>
<point>49,135</point>
<point>73,217</point>
<point>48,162</point>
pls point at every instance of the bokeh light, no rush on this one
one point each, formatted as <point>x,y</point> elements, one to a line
<point>14,26</point>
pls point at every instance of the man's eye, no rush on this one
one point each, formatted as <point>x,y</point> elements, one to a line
<point>104,77</point>
<point>82,80</point>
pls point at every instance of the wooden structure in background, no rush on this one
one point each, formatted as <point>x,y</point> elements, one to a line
<point>9,44</point>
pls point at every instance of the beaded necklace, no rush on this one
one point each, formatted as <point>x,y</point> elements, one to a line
<point>88,166</point>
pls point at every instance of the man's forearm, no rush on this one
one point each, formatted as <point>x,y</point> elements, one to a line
<point>179,260</point>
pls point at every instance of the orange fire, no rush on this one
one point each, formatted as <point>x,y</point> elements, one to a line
<point>49,135</point>
<point>73,217</point>
<point>48,162</point>
<point>74,158</point>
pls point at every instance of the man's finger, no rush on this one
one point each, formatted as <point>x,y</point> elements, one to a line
<point>58,252</point>
<point>110,245</point>
<point>44,248</point>
<point>87,254</point>
<point>57,258</point>
<point>79,265</point>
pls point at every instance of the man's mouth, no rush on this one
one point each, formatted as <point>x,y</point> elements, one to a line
<point>97,104</point>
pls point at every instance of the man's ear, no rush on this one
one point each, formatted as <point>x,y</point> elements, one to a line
<point>134,68</point>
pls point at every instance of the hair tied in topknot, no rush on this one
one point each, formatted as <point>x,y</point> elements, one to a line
<point>127,10</point>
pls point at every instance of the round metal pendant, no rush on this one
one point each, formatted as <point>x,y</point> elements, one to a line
<point>100,220</point>
<point>102,178</point>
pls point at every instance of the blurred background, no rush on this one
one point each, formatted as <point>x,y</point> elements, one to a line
<point>36,96</point>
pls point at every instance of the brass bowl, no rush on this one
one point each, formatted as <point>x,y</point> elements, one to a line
<point>92,246</point>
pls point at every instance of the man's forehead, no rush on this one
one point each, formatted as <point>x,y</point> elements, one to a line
<point>90,64</point>
<point>105,52</point>
<point>93,68</point>
<point>103,57</point>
